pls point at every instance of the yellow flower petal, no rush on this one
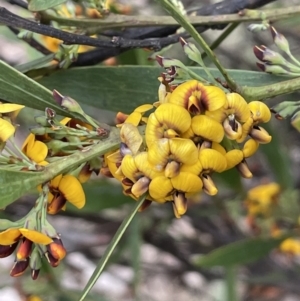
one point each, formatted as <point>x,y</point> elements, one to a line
<point>158,153</point>
<point>218,147</point>
<point>187,182</point>
<point>250,147</point>
<point>6,130</point>
<point>9,236</point>
<point>55,182</point>
<point>72,190</point>
<point>143,108</point>
<point>36,236</point>
<point>38,152</point>
<point>134,118</point>
<point>233,158</point>
<point>154,130</point>
<point>129,168</point>
<point>131,136</point>
<point>10,107</point>
<point>212,160</point>
<point>145,167</point>
<point>213,98</point>
<point>183,150</point>
<point>173,117</point>
<point>159,188</point>
<point>238,106</point>
<point>207,128</point>
<point>194,168</point>
<point>260,111</point>
<point>290,246</point>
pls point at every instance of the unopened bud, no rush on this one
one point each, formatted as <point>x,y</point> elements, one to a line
<point>257,27</point>
<point>250,148</point>
<point>180,203</point>
<point>191,51</point>
<point>24,249</point>
<point>67,102</point>
<point>56,249</point>
<point>269,56</point>
<point>42,121</point>
<point>167,62</point>
<point>285,109</point>
<point>272,69</point>
<point>260,135</point>
<point>57,203</point>
<point>19,267</point>
<point>280,41</point>
<point>35,263</point>
<point>209,186</point>
<point>52,261</point>
<point>244,170</point>
<point>140,187</point>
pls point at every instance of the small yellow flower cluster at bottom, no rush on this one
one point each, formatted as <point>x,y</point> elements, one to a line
<point>194,131</point>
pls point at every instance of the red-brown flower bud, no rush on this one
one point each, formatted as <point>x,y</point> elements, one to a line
<point>24,249</point>
<point>7,250</point>
<point>57,249</point>
<point>19,267</point>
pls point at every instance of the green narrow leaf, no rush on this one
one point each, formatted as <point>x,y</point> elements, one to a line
<point>126,87</point>
<point>110,248</point>
<point>17,88</point>
<point>14,184</point>
<point>241,252</point>
<point>39,5</point>
<point>35,64</point>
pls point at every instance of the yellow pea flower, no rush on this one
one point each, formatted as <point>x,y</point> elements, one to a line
<point>262,198</point>
<point>290,246</point>
<point>65,188</point>
<point>197,98</point>
<point>168,121</point>
<point>136,116</point>
<point>6,130</point>
<point>35,150</point>
<point>250,147</point>
<point>12,235</point>
<point>260,112</point>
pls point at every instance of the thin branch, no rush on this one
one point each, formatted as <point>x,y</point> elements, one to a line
<point>122,21</point>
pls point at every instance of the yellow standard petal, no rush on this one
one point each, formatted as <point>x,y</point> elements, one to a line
<point>129,168</point>
<point>207,128</point>
<point>212,160</point>
<point>143,108</point>
<point>6,130</point>
<point>72,190</point>
<point>10,107</point>
<point>187,182</point>
<point>183,150</point>
<point>213,98</point>
<point>195,169</point>
<point>218,147</point>
<point>250,148</point>
<point>234,157</point>
<point>134,118</point>
<point>260,111</point>
<point>159,188</point>
<point>145,167</point>
<point>158,153</point>
<point>55,182</point>
<point>238,106</point>
<point>131,136</point>
<point>9,236</point>
<point>36,236</point>
<point>38,152</point>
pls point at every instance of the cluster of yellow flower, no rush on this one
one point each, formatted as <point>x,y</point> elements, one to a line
<point>261,203</point>
<point>33,236</point>
<point>194,131</point>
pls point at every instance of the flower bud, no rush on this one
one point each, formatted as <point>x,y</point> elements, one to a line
<point>42,121</point>
<point>24,249</point>
<point>209,186</point>
<point>179,204</point>
<point>260,135</point>
<point>285,109</point>
<point>272,69</point>
<point>191,51</point>
<point>19,267</point>
<point>56,249</point>
<point>140,187</point>
<point>269,56</point>
<point>35,263</point>
<point>280,41</point>
<point>67,103</point>
<point>257,27</point>
<point>244,170</point>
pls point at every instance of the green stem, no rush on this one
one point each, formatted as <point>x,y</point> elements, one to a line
<point>197,37</point>
<point>110,249</point>
<point>268,91</point>
<point>229,29</point>
<point>231,283</point>
<point>94,26</point>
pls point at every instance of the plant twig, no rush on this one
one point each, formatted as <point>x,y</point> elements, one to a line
<point>122,21</point>
<point>194,34</point>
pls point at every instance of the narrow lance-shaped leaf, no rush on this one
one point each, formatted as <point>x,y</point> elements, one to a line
<point>241,252</point>
<point>17,88</point>
<point>39,5</point>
